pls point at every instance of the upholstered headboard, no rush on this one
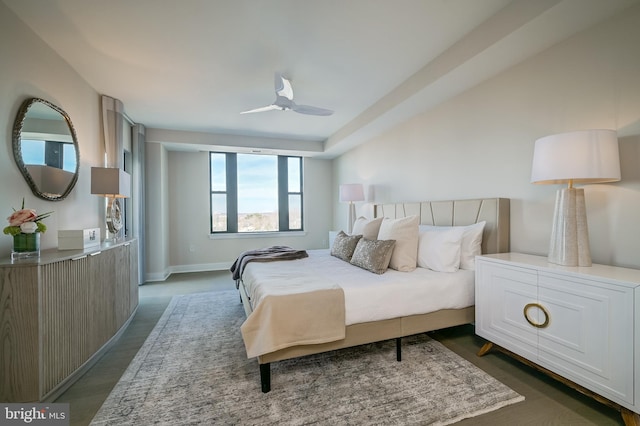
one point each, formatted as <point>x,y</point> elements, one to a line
<point>495,211</point>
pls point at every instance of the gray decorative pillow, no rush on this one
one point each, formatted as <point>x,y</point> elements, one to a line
<point>344,245</point>
<point>373,255</point>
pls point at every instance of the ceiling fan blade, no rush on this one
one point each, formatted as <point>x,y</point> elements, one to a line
<point>283,87</point>
<point>284,100</point>
<point>311,110</point>
<point>261,109</point>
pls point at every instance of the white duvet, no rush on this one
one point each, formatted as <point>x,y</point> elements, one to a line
<point>368,297</point>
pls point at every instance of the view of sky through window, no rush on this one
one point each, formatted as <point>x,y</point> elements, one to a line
<point>257,183</point>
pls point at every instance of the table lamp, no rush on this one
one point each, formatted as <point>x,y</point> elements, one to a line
<point>582,157</point>
<point>112,183</point>
<point>350,192</point>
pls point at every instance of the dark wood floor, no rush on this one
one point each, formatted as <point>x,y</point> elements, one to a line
<point>547,402</point>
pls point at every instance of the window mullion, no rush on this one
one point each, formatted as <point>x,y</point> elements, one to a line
<point>283,193</point>
<point>301,189</point>
<point>232,192</point>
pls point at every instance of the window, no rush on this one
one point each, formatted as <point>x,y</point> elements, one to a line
<point>61,155</point>
<point>255,193</point>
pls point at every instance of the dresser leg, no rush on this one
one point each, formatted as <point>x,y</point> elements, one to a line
<point>485,348</point>
<point>629,417</point>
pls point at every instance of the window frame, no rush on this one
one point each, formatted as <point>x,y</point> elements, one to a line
<point>231,193</point>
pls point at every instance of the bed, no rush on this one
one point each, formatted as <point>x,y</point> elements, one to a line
<point>333,313</point>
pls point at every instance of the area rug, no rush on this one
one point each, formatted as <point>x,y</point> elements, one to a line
<point>193,369</point>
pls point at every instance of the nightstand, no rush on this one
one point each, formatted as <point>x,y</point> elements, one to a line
<point>579,324</point>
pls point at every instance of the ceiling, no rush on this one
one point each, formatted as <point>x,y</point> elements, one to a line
<point>194,65</point>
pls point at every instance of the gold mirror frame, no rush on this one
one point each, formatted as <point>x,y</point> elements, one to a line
<point>17,150</point>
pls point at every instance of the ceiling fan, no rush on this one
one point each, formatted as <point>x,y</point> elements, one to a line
<point>284,100</point>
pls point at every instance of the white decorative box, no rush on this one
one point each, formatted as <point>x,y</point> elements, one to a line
<point>78,239</point>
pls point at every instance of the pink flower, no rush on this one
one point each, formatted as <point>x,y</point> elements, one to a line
<point>21,216</point>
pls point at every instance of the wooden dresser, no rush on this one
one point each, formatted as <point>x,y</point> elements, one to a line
<point>580,325</point>
<point>60,313</point>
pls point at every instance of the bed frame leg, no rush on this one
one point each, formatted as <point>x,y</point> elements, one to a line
<point>399,349</point>
<point>265,377</point>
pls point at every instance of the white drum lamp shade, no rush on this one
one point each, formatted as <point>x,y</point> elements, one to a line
<point>350,192</point>
<point>586,156</point>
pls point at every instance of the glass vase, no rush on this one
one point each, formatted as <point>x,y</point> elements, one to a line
<point>26,246</point>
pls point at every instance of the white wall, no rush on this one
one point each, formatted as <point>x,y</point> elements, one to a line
<point>187,244</point>
<point>31,69</point>
<point>156,212</point>
<point>480,144</point>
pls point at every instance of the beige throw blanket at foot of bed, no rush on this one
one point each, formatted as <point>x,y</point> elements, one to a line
<point>284,320</point>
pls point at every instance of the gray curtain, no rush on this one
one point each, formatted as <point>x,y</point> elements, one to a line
<point>116,127</point>
<point>113,124</point>
<point>138,230</point>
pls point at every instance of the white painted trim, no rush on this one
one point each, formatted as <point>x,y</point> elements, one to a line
<point>220,266</point>
<point>157,276</point>
<point>223,236</point>
<point>179,269</point>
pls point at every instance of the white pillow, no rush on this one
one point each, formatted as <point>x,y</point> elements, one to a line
<point>367,228</point>
<point>405,232</point>
<point>471,245</point>
<point>439,249</point>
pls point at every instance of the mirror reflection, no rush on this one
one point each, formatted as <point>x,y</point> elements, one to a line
<point>45,148</point>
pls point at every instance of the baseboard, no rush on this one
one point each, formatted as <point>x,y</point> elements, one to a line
<point>178,269</point>
<point>157,276</point>
<point>220,266</point>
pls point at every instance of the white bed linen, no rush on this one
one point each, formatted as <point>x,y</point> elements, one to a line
<point>368,296</point>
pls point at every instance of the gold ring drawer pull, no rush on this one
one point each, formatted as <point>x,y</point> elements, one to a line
<point>544,311</point>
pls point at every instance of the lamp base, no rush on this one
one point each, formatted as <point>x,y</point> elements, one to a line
<point>114,219</point>
<point>352,216</point>
<point>569,244</point>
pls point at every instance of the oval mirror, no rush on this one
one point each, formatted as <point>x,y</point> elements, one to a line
<point>45,148</point>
